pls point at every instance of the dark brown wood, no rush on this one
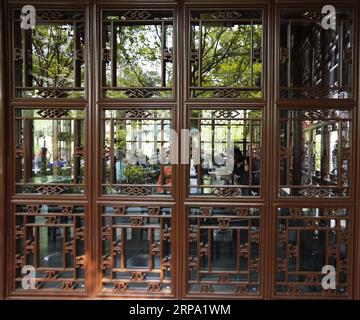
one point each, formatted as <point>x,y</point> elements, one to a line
<point>3,198</point>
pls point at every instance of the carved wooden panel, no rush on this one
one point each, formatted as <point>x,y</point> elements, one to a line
<point>307,240</point>
<point>223,250</point>
<point>51,239</point>
<point>136,254</point>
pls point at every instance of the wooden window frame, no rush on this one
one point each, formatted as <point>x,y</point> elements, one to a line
<point>180,103</point>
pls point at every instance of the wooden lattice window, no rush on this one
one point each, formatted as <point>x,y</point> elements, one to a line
<point>136,249</point>
<point>225,54</point>
<point>225,152</point>
<point>51,239</point>
<point>137,54</point>
<point>307,240</point>
<point>136,151</point>
<point>223,250</point>
<point>315,62</point>
<point>49,60</point>
<point>315,153</point>
<point>49,151</point>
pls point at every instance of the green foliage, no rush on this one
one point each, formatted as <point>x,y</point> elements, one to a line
<point>64,136</point>
<point>52,57</point>
<point>136,174</point>
<point>225,57</point>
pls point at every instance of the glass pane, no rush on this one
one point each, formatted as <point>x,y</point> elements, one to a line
<point>137,54</point>
<point>50,237</point>
<point>49,151</point>
<point>315,153</point>
<point>51,247</point>
<point>224,250</point>
<point>308,240</point>
<point>49,59</point>
<point>226,152</point>
<point>315,62</point>
<point>137,157</point>
<point>223,255</point>
<point>226,54</point>
<point>136,249</point>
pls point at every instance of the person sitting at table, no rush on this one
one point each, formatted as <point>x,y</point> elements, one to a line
<point>241,171</point>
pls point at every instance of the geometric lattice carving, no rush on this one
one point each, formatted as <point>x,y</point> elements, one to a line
<point>138,93</point>
<point>224,113</point>
<point>207,59</point>
<point>168,54</point>
<point>52,64</point>
<point>308,239</point>
<point>138,113</point>
<point>52,113</point>
<point>136,15</point>
<point>49,15</point>
<point>136,250</point>
<point>52,93</point>
<point>226,14</point>
<point>137,190</point>
<point>106,55</point>
<point>57,158</point>
<point>51,190</point>
<point>143,174</point>
<point>194,55</point>
<point>50,239</point>
<point>227,93</point>
<point>302,75</point>
<point>223,251</point>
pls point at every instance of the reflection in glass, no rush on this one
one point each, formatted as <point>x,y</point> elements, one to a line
<point>137,248</point>
<point>51,247</point>
<point>226,57</point>
<point>312,250</point>
<point>314,61</point>
<point>137,151</point>
<point>49,59</point>
<point>314,153</point>
<point>49,148</point>
<point>223,255</point>
<point>229,144</point>
<point>137,54</point>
